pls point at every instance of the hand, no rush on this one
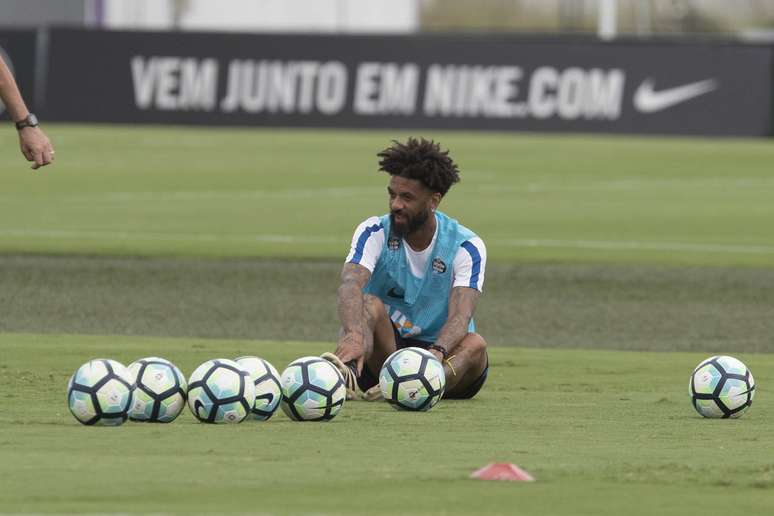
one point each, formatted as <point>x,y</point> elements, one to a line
<point>351,347</point>
<point>36,147</point>
<point>437,354</point>
<point>373,394</point>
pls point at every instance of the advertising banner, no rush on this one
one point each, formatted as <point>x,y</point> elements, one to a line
<point>436,81</point>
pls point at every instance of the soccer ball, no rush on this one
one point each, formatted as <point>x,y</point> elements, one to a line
<point>721,386</point>
<point>160,393</point>
<point>312,390</point>
<point>220,391</point>
<point>100,392</point>
<point>267,386</point>
<point>412,379</point>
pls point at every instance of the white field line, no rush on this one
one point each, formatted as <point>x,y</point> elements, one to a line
<point>608,245</point>
<point>639,245</point>
<point>624,185</point>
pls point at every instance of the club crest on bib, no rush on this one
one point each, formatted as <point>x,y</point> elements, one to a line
<point>438,265</point>
<point>393,243</point>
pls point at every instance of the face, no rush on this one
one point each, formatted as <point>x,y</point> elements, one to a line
<point>411,204</point>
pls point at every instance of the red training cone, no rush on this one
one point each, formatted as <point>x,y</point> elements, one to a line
<point>502,471</point>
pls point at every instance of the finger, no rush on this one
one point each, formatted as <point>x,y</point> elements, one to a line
<point>38,158</point>
<point>360,364</point>
<point>47,157</point>
<point>373,394</point>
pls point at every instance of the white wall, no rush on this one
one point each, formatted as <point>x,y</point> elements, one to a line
<point>395,16</point>
<point>137,14</point>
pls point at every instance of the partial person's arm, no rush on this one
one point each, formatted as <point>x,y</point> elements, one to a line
<point>351,345</point>
<point>462,306</point>
<point>33,142</point>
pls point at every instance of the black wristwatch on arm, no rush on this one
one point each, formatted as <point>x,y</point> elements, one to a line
<point>30,121</point>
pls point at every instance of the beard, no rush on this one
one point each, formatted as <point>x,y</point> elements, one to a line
<point>402,229</point>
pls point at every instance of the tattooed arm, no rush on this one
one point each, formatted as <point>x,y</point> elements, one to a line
<point>462,305</point>
<point>351,345</point>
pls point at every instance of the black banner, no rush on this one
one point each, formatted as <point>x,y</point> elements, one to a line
<point>450,82</point>
<point>17,48</point>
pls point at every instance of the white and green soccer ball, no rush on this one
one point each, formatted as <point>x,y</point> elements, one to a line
<point>100,392</point>
<point>721,387</point>
<point>160,393</point>
<point>267,386</point>
<point>412,379</point>
<point>312,390</point>
<point>220,391</point>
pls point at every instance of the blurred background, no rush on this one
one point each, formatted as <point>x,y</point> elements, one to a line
<point>749,19</point>
<point>527,65</point>
<point>616,159</point>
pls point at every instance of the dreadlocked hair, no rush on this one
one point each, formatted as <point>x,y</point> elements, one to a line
<point>422,160</point>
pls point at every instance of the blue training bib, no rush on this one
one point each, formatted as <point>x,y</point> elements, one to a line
<point>418,307</point>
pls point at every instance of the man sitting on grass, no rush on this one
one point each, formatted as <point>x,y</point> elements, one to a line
<point>412,278</point>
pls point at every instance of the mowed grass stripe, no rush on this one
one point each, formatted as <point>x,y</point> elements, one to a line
<point>532,198</point>
<point>348,191</point>
<point>306,240</point>
<point>604,433</point>
<point>552,305</point>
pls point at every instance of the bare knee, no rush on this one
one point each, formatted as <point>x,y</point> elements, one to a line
<point>378,320</point>
<point>475,345</point>
<point>471,361</point>
<point>381,328</point>
<point>373,302</point>
<point>374,309</point>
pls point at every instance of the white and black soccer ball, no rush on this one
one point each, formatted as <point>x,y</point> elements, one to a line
<point>220,391</point>
<point>267,386</point>
<point>721,387</point>
<point>160,393</point>
<point>412,379</point>
<point>100,392</point>
<point>312,390</point>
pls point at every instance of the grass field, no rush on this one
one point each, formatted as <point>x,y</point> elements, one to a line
<point>603,432</point>
<point>616,265</point>
<point>152,191</point>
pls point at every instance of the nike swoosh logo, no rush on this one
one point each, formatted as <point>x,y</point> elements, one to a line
<point>648,100</point>
<point>745,393</point>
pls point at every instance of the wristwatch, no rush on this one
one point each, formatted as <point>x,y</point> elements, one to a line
<point>30,121</point>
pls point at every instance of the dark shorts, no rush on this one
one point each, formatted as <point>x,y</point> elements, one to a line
<point>368,379</point>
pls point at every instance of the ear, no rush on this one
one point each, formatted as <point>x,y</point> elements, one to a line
<point>435,200</point>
